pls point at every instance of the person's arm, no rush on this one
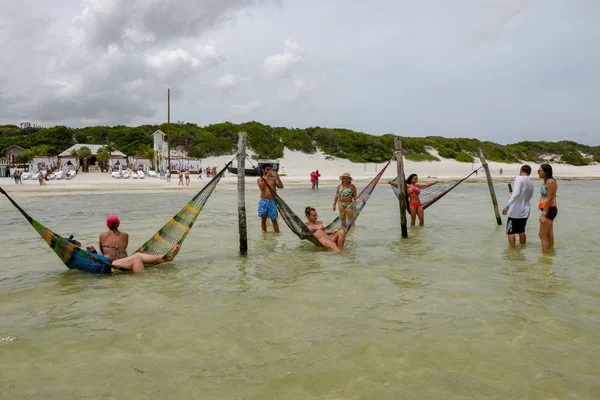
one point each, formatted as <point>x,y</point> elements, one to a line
<point>335,198</point>
<point>278,182</point>
<point>353,193</point>
<point>424,185</point>
<point>515,193</point>
<point>261,183</point>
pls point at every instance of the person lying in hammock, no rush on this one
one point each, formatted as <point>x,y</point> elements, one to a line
<point>333,240</point>
<point>134,262</point>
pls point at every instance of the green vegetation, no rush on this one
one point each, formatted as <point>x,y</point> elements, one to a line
<point>269,142</point>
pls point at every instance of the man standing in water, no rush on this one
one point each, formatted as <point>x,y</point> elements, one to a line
<point>518,206</point>
<point>113,244</point>
<point>266,205</point>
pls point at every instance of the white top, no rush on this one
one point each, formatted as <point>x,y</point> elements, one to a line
<point>519,203</point>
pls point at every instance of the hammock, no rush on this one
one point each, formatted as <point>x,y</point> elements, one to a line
<point>165,242</point>
<point>351,214</point>
<point>433,193</point>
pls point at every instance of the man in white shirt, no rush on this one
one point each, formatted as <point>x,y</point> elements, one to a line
<point>518,206</point>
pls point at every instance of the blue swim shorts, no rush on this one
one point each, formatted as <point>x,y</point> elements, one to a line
<point>267,207</point>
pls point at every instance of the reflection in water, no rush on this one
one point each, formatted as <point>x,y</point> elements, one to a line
<point>448,312</point>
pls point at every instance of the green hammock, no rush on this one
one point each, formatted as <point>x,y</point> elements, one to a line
<point>165,242</point>
<point>351,213</point>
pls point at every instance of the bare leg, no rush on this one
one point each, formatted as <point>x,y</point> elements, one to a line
<point>522,238</point>
<point>545,235</point>
<point>342,211</point>
<point>275,225</point>
<point>421,215</point>
<point>263,222</point>
<point>551,234</point>
<point>339,238</point>
<point>136,262</point>
<point>413,215</point>
<point>329,244</point>
<point>511,240</point>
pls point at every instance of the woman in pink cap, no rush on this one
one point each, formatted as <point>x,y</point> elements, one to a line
<point>113,244</point>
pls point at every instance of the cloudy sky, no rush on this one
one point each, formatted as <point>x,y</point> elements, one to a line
<point>500,70</point>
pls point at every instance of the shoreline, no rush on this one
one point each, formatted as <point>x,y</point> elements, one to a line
<point>297,166</point>
<point>94,183</point>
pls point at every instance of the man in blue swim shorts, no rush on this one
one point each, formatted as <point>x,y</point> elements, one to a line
<point>268,184</point>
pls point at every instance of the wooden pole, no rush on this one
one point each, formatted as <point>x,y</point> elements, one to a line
<point>401,185</point>
<point>241,175</point>
<point>169,129</point>
<point>490,186</point>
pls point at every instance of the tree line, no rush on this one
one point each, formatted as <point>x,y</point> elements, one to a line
<point>269,142</point>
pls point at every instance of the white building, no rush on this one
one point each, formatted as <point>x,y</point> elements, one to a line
<point>160,150</point>
<point>66,157</point>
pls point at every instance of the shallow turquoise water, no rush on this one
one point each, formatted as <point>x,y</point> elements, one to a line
<point>450,312</point>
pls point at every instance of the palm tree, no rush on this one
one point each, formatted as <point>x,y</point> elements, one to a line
<point>103,156</point>
<point>85,153</point>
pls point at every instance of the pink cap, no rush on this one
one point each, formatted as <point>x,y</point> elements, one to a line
<point>113,221</point>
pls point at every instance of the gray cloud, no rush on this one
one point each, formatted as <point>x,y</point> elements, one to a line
<point>502,70</point>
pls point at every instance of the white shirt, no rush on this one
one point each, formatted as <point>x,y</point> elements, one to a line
<point>519,203</point>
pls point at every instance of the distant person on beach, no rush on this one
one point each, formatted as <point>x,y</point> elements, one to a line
<point>180,177</point>
<point>345,194</point>
<point>168,175</point>
<point>547,206</point>
<point>187,177</point>
<point>200,172</point>
<point>413,192</point>
<point>134,262</point>
<point>17,177</point>
<point>266,205</point>
<point>314,179</point>
<point>333,240</point>
<point>41,178</point>
<point>519,206</point>
<point>500,171</point>
<point>113,244</point>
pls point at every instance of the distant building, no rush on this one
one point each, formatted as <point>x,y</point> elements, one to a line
<point>66,157</point>
<point>140,163</point>
<point>11,153</point>
<point>44,162</point>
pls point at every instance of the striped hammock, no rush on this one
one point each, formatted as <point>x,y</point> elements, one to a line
<point>165,242</point>
<point>433,193</point>
<point>342,222</point>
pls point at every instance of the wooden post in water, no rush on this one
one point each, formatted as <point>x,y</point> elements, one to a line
<point>490,186</point>
<point>169,129</point>
<point>401,185</point>
<point>241,175</point>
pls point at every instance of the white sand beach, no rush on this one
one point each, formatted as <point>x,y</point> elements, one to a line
<point>297,167</point>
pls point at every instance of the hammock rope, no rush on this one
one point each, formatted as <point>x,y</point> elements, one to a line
<point>430,194</point>
<point>350,215</point>
<point>166,242</point>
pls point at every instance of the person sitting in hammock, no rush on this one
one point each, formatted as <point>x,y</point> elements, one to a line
<point>345,194</point>
<point>134,262</point>
<point>333,240</point>
<point>113,244</point>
